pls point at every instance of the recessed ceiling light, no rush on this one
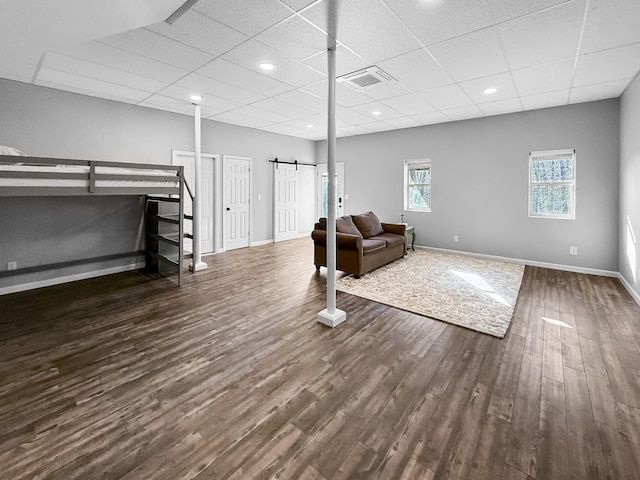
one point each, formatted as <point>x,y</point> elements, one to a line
<point>376,112</point>
<point>490,91</point>
<point>309,126</point>
<point>266,66</point>
<point>196,98</point>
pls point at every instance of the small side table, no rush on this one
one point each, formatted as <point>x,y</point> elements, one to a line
<point>410,236</point>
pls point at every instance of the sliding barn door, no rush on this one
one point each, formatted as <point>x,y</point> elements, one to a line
<point>285,208</point>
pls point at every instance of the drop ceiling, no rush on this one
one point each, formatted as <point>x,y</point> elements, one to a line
<point>442,54</point>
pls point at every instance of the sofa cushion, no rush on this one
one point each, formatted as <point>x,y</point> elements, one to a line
<point>391,239</point>
<point>368,224</point>
<point>345,225</point>
<point>371,245</point>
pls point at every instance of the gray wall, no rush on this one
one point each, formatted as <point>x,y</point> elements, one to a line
<point>630,185</point>
<point>480,183</point>
<point>52,123</point>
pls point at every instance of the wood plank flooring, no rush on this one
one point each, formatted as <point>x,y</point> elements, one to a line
<point>231,377</point>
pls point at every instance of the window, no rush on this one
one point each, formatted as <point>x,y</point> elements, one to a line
<point>417,185</point>
<point>552,183</point>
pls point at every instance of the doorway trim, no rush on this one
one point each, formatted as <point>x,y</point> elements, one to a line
<point>216,185</point>
<point>223,191</point>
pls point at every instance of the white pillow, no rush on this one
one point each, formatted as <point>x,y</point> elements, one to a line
<point>11,151</point>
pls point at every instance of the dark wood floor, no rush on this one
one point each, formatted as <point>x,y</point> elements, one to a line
<point>232,377</point>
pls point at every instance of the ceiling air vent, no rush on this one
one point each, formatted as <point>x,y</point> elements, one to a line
<point>365,79</point>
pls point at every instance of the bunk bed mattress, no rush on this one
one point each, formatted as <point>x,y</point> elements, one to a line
<point>171,180</point>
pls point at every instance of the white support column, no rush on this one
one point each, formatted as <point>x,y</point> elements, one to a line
<point>331,316</point>
<point>197,263</point>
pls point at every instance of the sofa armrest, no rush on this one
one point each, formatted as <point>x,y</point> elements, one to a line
<point>344,241</point>
<point>397,228</point>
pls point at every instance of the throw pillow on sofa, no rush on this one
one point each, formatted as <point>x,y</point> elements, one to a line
<point>346,225</point>
<point>368,224</point>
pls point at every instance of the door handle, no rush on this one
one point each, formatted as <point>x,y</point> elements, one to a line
<point>228,209</point>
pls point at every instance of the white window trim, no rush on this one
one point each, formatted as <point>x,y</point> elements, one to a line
<point>407,165</point>
<point>572,214</point>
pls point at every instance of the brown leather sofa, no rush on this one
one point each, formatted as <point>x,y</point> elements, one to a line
<point>363,243</point>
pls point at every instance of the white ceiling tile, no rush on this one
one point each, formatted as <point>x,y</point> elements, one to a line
<point>365,27</point>
<point>17,70</point>
<point>545,100</point>
<point>295,37</point>
<point>201,32</point>
<point>253,53</point>
<point>609,65</point>
<point>354,130</point>
<point>345,96</point>
<point>346,61</point>
<point>434,22</point>
<point>611,23</point>
<point>474,55</point>
<point>402,122</point>
<point>88,86</point>
<point>314,136</point>
<point>504,10</point>
<point>600,91</point>
<point>178,106</point>
<point>475,88</point>
<point>152,45</point>
<point>319,121</point>
<point>543,37</point>
<point>240,119</point>
<point>130,62</point>
<point>351,116</point>
<point>244,15</point>
<point>408,104</point>
<point>283,108</point>
<point>449,96</point>
<point>242,77</point>
<point>208,86</point>
<point>304,100</point>
<point>314,123</point>
<point>385,90</point>
<point>284,129</point>
<point>297,5</point>
<point>83,68</point>
<point>368,109</point>
<point>547,77</point>
<point>270,116</point>
<point>463,113</point>
<point>430,118</point>
<point>501,107</point>
<point>184,93</point>
<point>378,126</point>
<point>416,70</point>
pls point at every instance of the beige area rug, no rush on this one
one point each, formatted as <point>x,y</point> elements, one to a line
<point>475,293</point>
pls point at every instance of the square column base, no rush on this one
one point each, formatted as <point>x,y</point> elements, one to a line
<point>332,320</point>
<point>197,267</point>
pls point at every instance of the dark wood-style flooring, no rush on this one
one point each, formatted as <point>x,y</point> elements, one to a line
<point>129,377</point>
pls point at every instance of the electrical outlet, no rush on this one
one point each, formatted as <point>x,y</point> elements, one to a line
<point>12,265</point>
<point>573,250</point>
<point>455,238</point>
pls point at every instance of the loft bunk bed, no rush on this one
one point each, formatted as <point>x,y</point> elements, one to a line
<point>162,186</point>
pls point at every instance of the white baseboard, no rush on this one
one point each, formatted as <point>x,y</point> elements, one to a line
<point>305,234</point>
<point>533,263</point>
<point>629,288</point>
<point>69,278</point>
<point>261,242</point>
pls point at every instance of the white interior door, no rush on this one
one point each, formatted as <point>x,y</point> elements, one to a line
<point>187,160</point>
<point>322,190</point>
<point>285,205</point>
<point>237,193</point>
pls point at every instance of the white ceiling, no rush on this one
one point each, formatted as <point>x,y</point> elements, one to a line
<point>443,53</point>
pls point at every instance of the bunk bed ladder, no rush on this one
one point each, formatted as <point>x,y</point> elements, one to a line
<point>161,237</point>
